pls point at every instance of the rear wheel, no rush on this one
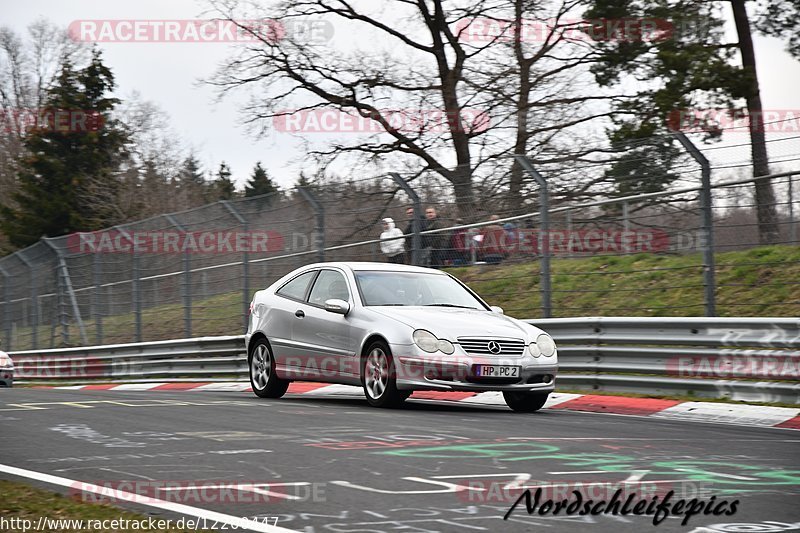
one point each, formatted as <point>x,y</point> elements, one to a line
<point>525,402</point>
<point>263,380</point>
<point>378,377</point>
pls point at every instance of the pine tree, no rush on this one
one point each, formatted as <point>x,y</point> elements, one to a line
<point>224,187</point>
<point>71,173</point>
<point>195,189</point>
<point>259,183</point>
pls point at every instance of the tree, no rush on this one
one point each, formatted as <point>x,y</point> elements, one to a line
<point>69,179</point>
<point>694,69</point>
<point>194,189</point>
<point>29,65</point>
<point>433,99</point>
<point>259,183</point>
<point>223,185</point>
<point>781,19</point>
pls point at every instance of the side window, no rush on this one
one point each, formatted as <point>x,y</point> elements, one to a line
<point>330,284</point>
<point>296,288</point>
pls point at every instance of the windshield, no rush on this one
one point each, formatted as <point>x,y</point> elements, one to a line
<point>414,288</point>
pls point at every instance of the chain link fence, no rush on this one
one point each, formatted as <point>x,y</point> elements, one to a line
<point>557,250</point>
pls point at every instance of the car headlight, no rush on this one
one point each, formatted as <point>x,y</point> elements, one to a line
<point>546,344</point>
<point>426,340</point>
<point>446,347</point>
<point>533,348</point>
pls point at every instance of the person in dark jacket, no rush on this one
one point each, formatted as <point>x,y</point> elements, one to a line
<point>409,233</point>
<point>434,244</point>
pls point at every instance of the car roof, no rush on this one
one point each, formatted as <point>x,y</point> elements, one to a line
<point>358,266</point>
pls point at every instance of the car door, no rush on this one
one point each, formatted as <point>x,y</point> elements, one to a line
<point>290,297</point>
<point>327,337</point>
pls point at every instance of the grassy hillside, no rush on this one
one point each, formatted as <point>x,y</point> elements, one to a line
<point>762,281</point>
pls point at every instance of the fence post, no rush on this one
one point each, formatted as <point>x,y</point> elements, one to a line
<point>187,281</point>
<point>626,222</point>
<point>245,263</point>
<point>708,223</point>
<point>6,308</point>
<point>65,283</point>
<point>792,226</point>
<point>136,284</point>
<point>34,299</point>
<point>319,227</point>
<point>97,311</point>
<point>416,238</point>
<point>544,233</point>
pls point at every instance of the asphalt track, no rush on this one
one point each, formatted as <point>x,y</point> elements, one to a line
<point>319,464</point>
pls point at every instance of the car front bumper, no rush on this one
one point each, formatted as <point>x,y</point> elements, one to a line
<point>456,372</point>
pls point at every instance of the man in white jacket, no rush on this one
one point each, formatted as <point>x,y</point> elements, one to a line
<point>394,249</point>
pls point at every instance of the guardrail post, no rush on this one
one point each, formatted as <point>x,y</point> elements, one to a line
<point>34,299</point>
<point>187,281</point>
<point>708,223</point>
<point>416,238</point>
<point>245,263</point>
<point>319,226</point>
<point>65,283</point>
<point>6,308</point>
<point>544,233</point>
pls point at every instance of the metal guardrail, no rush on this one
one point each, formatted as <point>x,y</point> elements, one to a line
<point>748,359</point>
<point>752,359</point>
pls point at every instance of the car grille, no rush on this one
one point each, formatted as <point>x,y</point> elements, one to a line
<point>481,346</point>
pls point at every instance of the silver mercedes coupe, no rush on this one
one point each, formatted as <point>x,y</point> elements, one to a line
<point>393,329</point>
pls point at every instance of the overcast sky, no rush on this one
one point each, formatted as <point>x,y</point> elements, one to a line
<point>168,74</point>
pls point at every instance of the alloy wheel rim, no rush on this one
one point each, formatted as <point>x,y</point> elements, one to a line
<point>376,373</point>
<point>260,367</point>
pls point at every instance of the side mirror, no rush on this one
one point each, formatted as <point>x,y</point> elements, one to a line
<point>496,309</point>
<point>334,305</point>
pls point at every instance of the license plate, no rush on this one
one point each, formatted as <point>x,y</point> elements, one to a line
<point>494,371</point>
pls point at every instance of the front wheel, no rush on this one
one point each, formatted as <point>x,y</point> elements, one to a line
<point>263,380</point>
<point>378,378</point>
<point>525,402</point>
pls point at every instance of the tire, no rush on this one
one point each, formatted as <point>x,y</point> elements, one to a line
<point>525,402</point>
<point>263,380</point>
<point>378,377</point>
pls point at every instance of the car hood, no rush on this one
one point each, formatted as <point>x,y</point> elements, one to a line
<point>449,323</point>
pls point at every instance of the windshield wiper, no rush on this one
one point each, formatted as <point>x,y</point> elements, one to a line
<point>450,305</point>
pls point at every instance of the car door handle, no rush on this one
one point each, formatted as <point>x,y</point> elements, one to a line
<point>299,313</point>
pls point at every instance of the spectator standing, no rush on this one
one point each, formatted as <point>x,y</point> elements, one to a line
<point>433,244</point>
<point>393,249</point>
<point>492,242</point>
